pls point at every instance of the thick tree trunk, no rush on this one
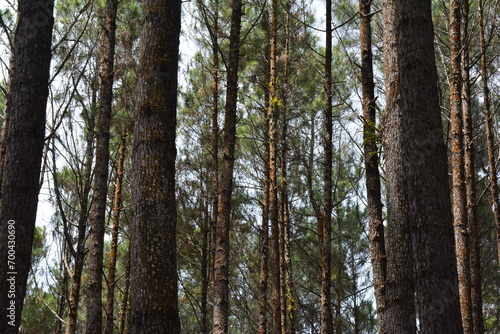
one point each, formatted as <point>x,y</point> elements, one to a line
<point>113,253</point>
<point>221,264</point>
<point>458,170</point>
<point>490,136</point>
<point>100,188</point>
<point>153,275</point>
<point>21,158</point>
<point>420,251</point>
<point>325,221</point>
<point>373,188</point>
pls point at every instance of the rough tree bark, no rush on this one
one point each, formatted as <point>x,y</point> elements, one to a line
<point>458,170</point>
<point>272,118</point>
<point>153,274</point>
<point>100,187</point>
<point>470,175</point>
<point>21,156</point>
<point>264,243</point>
<point>420,252</point>
<point>221,256</point>
<point>325,220</point>
<point>373,188</point>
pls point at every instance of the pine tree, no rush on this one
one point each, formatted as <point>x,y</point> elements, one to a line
<point>21,153</point>
<point>153,275</point>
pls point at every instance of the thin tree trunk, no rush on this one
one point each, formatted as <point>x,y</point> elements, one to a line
<point>153,275</point>
<point>373,188</point>
<point>221,264</point>
<point>63,297</point>
<point>325,226</point>
<point>264,247</point>
<point>113,253</point>
<point>273,176</point>
<point>421,260</point>
<point>124,320</point>
<point>470,177</point>
<point>490,136</point>
<point>215,148</point>
<point>458,169</point>
<point>79,258</point>
<point>100,187</point>
<point>289,291</point>
<point>21,157</point>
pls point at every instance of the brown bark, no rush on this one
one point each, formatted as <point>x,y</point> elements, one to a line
<point>221,260</point>
<point>100,187</point>
<point>21,155</point>
<point>490,136</point>
<point>458,170</point>
<point>153,274</point>
<point>325,220</point>
<point>272,117</point>
<point>113,253</point>
<point>373,188</point>
<point>264,236</point>
<point>420,251</point>
<point>124,320</point>
<point>470,176</point>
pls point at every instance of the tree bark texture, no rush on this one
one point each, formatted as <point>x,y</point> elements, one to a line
<point>23,142</point>
<point>373,188</point>
<point>221,260</point>
<point>100,187</point>
<point>264,243</point>
<point>470,175</point>
<point>420,252</point>
<point>458,169</point>
<point>153,275</point>
<point>272,117</point>
<point>325,220</point>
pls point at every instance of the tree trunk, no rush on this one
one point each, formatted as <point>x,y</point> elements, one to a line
<point>23,143</point>
<point>153,275</point>
<point>113,253</point>
<point>215,148</point>
<point>458,170</point>
<point>420,251</point>
<point>470,177</point>
<point>100,188</point>
<point>272,117</point>
<point>291,303</point>
<point>221,264</point>
<point>123,322</point>
<point>264,247</point>
<point>79,257</point>
<point>325,221</point>
<point>373,188</point>
<point>490,134</point>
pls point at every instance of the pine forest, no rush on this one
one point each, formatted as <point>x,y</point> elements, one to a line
<point>249,166</point>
